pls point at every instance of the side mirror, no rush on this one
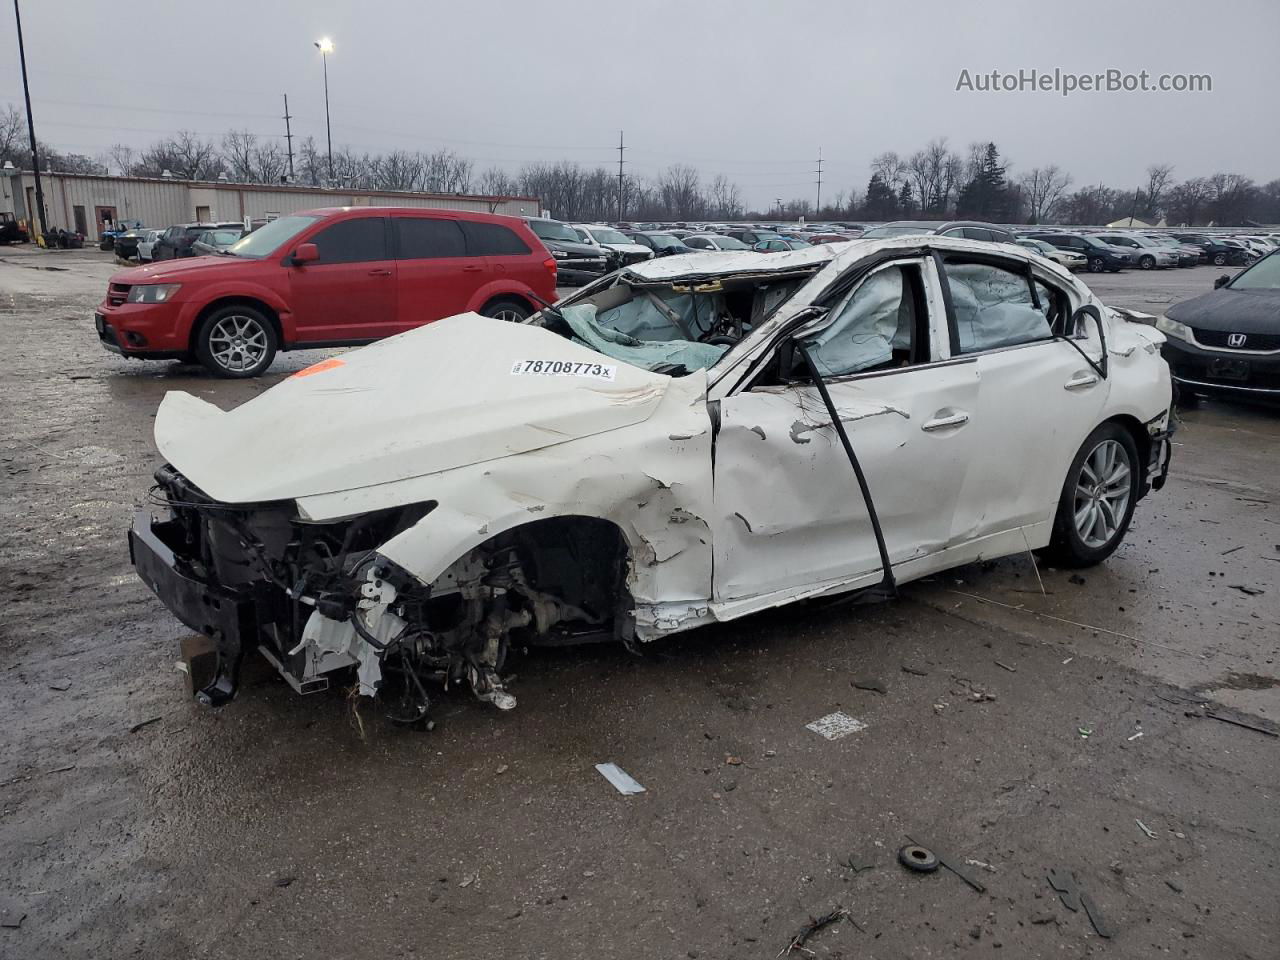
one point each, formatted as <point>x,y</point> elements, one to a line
<point>305,253</point>
<point>1222,281</point>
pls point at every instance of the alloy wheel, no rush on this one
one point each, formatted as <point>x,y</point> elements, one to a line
<point>509,315</point>
<point>238,343</point>
<point>1102,494</point>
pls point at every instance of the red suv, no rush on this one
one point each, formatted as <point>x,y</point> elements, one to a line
<point>320,278</point>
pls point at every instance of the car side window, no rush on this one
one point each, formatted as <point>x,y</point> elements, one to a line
<point>492,240</point>
<point>429,238</point>
<point>352,241</point>
<point>977,233</point>
<point>877,325</point>
<point>993,307</point>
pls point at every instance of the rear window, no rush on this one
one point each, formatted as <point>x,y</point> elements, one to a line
<point>492,240</point>
<point>428,238</point>
<point>553,230</point>
<point>352,241</point>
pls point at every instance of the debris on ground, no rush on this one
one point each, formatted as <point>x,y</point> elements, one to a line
<point>12,917</point>
<point>918,858</point>
<point>1075,578</point>
<point>858,863</point>
<point>619,778</point>
<point>144,723</point>
<point>284,881</point>
<point>1145,829</point>
<point>980,864</point>
<point>1073,898</point>
<point>809,929</point>
<point>1237,723</point>
<point>870,683</point>
<point>970,690</point>
<point>1005,666</point>
<point>1247,590</point>
<point>914,670</point>
<point>835,725</point>
<point>1085,732</point>
<point>62,684</point>
<point>1137,735</point>
<point>952,863</point>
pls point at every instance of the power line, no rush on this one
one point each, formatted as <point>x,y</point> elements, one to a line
<point>288,135</point>
<point>817,206</point>
<point>621,188</point>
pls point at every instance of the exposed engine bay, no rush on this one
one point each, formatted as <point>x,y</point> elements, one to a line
<point>317,599</point>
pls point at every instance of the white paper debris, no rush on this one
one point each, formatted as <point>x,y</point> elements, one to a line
<point>836,725</point>
<point>619,778</point>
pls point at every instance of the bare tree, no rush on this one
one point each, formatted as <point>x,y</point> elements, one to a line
<point>933,172</point>
<point>1042,190</point>
<point>1188,201</point>
<point>270,162</point>
<point>725,198</point>
<point>238,148</point>
<point>12,128</point>
<point>1159,177</point>
<point>891,167</point>
<point>495,182</point>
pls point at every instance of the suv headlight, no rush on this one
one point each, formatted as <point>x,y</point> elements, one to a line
<point>1172,328</point>
<point>153,292</point>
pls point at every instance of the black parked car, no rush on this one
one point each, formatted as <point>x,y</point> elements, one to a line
<point>1215,251</point>
<point>126,244</point>
<point>577,263</point>
<point>1227,341</point>
<point>752,235</point>
<point>11,230</point>
<point>1098,256</point>
<point>177,240</point>
<point>662,244</point>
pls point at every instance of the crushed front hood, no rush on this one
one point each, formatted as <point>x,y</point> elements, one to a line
<point>443,396</point>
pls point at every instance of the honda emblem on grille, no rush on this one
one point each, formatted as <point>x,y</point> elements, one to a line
<point>1236,340</point>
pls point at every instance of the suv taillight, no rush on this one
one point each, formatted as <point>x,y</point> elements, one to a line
<point>550,264</point>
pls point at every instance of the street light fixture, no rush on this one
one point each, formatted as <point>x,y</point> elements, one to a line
<point>325,46</point>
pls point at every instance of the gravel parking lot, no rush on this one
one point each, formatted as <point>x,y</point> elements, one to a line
<point>1019,719</point>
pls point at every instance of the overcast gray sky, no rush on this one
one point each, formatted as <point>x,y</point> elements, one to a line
<point>748,88</point>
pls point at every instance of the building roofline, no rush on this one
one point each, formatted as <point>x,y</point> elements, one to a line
<point>286,187</point>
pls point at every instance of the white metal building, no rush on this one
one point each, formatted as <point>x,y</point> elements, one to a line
<point>85,203</point>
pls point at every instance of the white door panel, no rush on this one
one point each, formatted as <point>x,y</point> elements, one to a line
<point>1035,406</point>
<point>788,511</point>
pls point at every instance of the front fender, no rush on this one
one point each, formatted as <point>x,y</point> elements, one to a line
<point>240,290</point>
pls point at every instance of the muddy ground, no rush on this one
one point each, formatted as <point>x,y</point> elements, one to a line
<point>135,823</point>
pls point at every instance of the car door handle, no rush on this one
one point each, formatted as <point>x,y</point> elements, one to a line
<point>472,268</point>
<point>1080,381</point>
<point>942,423</point>
<point>379,273</point>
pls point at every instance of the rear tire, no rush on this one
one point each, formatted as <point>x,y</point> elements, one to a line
<point>236,342</point>
<point>1147,263</point>
<point>1219,259</point>
<point>513,311</point>
<point>1096,265</point>
<point>1097,499</point>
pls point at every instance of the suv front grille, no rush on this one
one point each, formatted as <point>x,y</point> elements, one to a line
<point>1218,339</point>
<point>117,293</point>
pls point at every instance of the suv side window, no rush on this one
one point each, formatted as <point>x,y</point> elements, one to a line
<point>353,241</point>
<point>492,240</point>
<point>428,238</point>
<point>978,233</point>
<point>993,307</point>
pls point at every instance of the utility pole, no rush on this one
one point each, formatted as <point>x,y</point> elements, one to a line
<point>288,135</point>
<point>621,183</point>
<point>31,124</point>
<point>325,46</point>
<point>817,207</point>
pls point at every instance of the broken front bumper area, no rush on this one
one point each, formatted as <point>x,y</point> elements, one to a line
<point>229,618</point>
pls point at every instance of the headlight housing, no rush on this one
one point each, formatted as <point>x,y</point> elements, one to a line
<point>153,292</point>
<point>1172,328</point>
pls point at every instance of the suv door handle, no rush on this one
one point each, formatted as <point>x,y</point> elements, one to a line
<point>472,268</point>
<point>1080,381</point>
<point>379,273</point>
<point>941,423</point>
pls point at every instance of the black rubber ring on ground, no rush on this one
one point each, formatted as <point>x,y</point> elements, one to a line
<point>918,858</point>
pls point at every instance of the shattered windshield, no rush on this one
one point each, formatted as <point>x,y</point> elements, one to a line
<point>671,328</point>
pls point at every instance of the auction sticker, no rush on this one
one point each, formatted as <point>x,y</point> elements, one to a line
<point>564,368</point>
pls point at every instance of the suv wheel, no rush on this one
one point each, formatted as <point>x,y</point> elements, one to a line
<point>1147,262</point>
<point>513,311</point>
<point>1096,265</point>
<point>236,342</point>
<point>1097,498</point>
<point>1219,259</point>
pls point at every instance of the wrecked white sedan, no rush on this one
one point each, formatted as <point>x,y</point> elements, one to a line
<point>687,441</point>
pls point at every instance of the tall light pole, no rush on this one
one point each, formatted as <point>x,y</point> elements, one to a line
<point>31,124</point>
<point>325,46</point>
